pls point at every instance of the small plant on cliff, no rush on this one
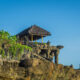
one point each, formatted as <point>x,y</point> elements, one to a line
<point>9,45</point>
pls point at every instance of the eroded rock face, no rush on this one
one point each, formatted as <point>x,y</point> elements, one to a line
<point>36,69</point>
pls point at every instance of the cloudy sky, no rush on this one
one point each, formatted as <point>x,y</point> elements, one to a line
<point>60,17</point>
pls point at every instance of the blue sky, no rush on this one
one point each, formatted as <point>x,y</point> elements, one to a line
<point>60,17</point>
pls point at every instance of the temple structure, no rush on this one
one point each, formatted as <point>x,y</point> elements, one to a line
<point>33,33</point>
<point>39,50</point>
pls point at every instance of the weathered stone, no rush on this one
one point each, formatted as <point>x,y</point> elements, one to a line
<point>37,70</point>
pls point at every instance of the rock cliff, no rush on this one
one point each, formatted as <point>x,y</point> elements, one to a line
<point>36,69</point>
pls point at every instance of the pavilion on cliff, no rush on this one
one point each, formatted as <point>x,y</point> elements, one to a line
<point>33,33</point>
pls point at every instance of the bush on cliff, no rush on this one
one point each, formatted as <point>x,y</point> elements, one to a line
<point>9,47</point>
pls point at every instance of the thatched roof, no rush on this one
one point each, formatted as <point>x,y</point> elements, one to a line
<point>34,30</point>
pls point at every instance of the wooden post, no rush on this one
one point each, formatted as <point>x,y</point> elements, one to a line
<point>42,39</point>
<point>27,40</point>
<point>32,38</point>
<point>21,41</point>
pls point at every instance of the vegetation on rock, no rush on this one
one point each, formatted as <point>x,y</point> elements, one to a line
<point>9,47</point>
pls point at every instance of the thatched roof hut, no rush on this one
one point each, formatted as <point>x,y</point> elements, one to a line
<point>34,33</point>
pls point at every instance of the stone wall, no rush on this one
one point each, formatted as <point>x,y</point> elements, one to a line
<point>37,69</point>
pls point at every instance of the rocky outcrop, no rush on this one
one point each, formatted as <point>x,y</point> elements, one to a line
<point>36,69</point>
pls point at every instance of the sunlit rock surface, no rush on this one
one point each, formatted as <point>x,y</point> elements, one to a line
<point>36,69</point>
